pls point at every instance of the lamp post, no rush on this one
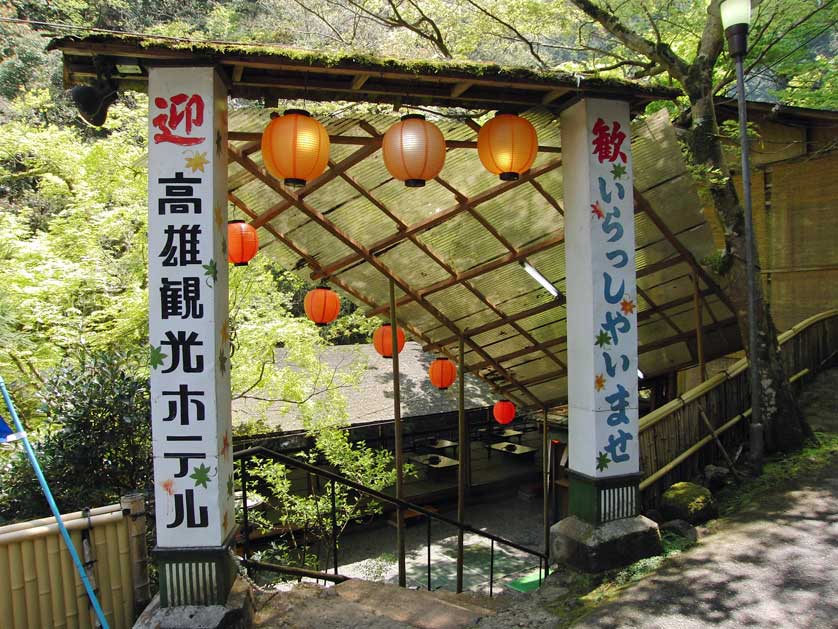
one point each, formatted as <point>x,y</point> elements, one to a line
<point>736,17</point>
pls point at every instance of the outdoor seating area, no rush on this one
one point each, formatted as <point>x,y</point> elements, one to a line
<point>350,304</point>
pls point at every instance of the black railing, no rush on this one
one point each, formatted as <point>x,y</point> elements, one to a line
<point>243,455</point>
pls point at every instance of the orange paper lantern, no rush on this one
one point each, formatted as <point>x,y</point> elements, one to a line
<point>443,373</point>
<point>242,242</point>
<point>507,146</point>
<point>382,340</point>
<point>295,147</point>
<point>414,150</point>
<point>322,305</point>
<point>504,412</point>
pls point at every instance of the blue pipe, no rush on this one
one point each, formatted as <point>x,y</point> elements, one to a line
<point>53,507</point>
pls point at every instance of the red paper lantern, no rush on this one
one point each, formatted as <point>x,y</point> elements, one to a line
<point>295,147</point>
<point>443,373</point>
<point>322,305</point>
<point>242,242</point>
<point>507,146</point>
<point>504,412</point>
<point>382,340</point>
<point>414,150</point>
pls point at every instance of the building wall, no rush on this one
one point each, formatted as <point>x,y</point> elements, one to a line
<point>795,206</point>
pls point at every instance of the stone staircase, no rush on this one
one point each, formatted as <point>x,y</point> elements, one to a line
<point>369,605</point>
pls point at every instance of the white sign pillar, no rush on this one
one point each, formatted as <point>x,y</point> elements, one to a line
<point>188,333</point>
<point>601,310</point>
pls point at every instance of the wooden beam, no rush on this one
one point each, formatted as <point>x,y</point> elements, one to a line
<point>552,95</point>
<point>358,81</point>
<point>699,329</point>
<point>556,238</point>
<point>654,307</point>
<point>289,198</point>
<point>360,140</point>
<point>685,253</point>
<point>238,71</point>
<point>397,440</point>
<point>441,217</point>
<point>550,198</point>
<point>523,314</point>
<point>459,88</point>
<point>367,255</point>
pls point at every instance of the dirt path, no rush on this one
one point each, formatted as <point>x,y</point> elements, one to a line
<point>774,565</point>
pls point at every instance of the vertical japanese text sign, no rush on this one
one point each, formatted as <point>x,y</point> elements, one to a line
<point>601,288</point>
<point>188,334</point>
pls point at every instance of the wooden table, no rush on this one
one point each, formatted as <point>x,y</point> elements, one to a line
<point>436,463</point>
<point>509,433</point>
<point>442,445</point>
<point>515,449</point>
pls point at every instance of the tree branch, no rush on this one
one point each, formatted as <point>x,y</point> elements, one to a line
<point>660,53</point>
<point>518,35</point>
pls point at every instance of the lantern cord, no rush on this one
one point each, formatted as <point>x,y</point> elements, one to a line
<point>30,452</point>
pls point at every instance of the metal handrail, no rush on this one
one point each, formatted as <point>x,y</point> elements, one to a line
<point>241,455</point>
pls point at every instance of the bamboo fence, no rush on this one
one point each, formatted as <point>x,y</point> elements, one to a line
<point>39,586</point>
<point>675,443</point>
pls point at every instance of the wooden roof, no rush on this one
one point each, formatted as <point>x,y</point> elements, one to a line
<point>271,72</point>
<point>455,247</point>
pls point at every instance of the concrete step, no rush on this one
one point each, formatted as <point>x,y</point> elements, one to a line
<point>415,608</point>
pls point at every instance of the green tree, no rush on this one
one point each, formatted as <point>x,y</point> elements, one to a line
<point>95,444</point>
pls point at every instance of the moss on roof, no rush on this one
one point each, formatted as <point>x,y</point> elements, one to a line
<point>207,49</point>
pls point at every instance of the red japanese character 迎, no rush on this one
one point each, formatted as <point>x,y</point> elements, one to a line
<point>182,110</point>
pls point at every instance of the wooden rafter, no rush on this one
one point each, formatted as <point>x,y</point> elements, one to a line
<point>685,253</point>
<point>368,256</point>
<point>360,140</point>
<point>438,218</point>
<point>313,264</point>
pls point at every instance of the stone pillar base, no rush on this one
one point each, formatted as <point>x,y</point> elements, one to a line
<point>595,548</point>
<point>194,575</point>
<point>236,613</point>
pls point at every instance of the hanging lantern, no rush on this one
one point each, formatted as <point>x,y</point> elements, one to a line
<point>504,412</point>
<point>382,340</point>
<point>443,373</point>
<point>295,147</point>
<point>507,146</point>
<point>242,242</point>
<point>322,305</point>
<point>414,150</point>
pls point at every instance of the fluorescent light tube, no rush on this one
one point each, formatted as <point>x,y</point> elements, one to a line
<point>538,277</point>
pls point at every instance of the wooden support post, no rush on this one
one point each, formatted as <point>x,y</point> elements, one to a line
<point>719,443</point>
<point>461,480</point>
<point>133,508</point>
<point>699,329</point>
<point>397,430</point>
<point>546,479</point>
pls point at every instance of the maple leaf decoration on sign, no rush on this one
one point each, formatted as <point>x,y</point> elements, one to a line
<point>157,356</point>
<point>200,475</point>
<point>618,171</point>
<point>596,210</point>
<point>599,382</point>
<point>627,306</point>
<point>602,462</point>
<point>196,161</point>
<point>602,339</point>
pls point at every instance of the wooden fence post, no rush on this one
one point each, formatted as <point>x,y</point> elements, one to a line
<point>133,509</point>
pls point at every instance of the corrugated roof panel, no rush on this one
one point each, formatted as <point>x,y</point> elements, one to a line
<point>522,215</point>
<point>463,242</point>
<point>457,303</point>
<point>411,264</point>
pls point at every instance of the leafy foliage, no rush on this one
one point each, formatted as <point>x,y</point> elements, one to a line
<point>95,444</point>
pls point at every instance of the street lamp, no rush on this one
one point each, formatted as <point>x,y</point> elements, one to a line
<point>736,17</point>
